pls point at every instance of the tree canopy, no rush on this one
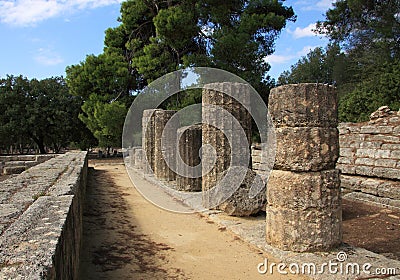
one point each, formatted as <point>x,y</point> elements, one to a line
<point>362,59</point>
<point>158,37</point>
<point>40,112</point>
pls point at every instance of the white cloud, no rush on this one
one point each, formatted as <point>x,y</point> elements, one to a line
<point>305,50</point>
<point>321,5</point>
<point>324,4</point>
<point>303,32</point>
<point>48,57</point>
<point>275,59</point>
<point>278,59</point>
<point>30,12</point>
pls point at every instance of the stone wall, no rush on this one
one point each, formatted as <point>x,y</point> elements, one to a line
<point>41,219</point>
<point>16,164</point>
<point>370,158</point>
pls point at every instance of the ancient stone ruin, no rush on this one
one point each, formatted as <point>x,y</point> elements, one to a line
<point>164,144</point>
<point>17,164</point>
<point>157,146</point>
<point>370,158</point>
<point>148,140</point>
<point>189,146</point>
<point>303,192</point>
<point>41,219</point>
<point>227,129</point>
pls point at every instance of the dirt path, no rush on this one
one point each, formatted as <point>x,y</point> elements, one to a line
<point>126,237</point>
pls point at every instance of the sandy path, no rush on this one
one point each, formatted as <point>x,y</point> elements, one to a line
<point>126,237</point>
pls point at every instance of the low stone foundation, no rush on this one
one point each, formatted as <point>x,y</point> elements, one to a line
<point>41,219</point>
<point>17,164</point>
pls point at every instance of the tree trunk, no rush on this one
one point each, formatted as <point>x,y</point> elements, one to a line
<point>42,149</point>
<point>39,142</point>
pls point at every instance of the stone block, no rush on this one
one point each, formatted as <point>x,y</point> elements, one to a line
<point>379,153</point>
<point>304,231</point>
<point>364,170</point>
<point>395,155</point>
<point>389,189</point>
<point>390,147</point>
<point>373,145</point>
<point>306,148</point>
<point>345,160</point>
<point>376,129</point>
<point>386,163</point>
<point>217,94</point>
<point>304,105</point>
<point>365,161</point>
<point>385,172</point>
<point>369,185</point>
<point>351,182</point>
<point>362,152</point>
<point>303,190</point>
<point>346,168</point>
<point>15,163</point>
<point>383,138</point>
<point>347,152</point>
<point>241,203</point>
<point>9,170</point>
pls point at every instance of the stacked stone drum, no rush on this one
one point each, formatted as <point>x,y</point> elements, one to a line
<point>304,203</point>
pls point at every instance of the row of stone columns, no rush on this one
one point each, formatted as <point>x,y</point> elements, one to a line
<point>303,191</point>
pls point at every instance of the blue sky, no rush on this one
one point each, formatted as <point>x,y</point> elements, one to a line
<point>39,38</point>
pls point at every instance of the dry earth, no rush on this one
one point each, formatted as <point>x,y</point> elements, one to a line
<point>127,237</point>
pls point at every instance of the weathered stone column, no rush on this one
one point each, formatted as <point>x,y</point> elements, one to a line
<point>189,148</point>
<point>148,140</point>
<point>139,160</point>
<point>165,147</point>
<point>304,203</point>
<point>228,127</point>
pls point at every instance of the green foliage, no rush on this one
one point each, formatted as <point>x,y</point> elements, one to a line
<point>362,58</point>
<point>364,25</point>
<point>40,111</point>
<point>383,88</point>
<point>158,37</point>
<point>319,65</point>
<point>104,120</point>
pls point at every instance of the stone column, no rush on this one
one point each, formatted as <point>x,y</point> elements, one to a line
<point>148,140</point>
<point>189,148</point>
<point>165,147</point>
<point>239,203</point>
<point>131,156</point>
<point>304,210</point>
<point>139,160</point>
